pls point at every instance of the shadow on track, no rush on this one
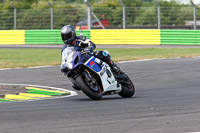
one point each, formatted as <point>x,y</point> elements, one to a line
<point>109,98</point>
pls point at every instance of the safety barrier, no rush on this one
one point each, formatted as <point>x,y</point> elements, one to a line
<point>114,36</point>
<point>12,37</point>
<point>8,37</point>
<point>47,36</point>
<point>180,37</point>
<point>129,36</point>
<point>42,37</point>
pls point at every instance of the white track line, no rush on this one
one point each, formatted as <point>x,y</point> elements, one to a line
<point>138,60</point>
<point>26,67</point>
<point>197,57</point>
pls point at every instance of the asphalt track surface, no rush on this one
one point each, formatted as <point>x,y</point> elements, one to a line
<point>167,100</point>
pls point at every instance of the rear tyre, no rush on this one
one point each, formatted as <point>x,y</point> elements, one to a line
<point>128,89</point>
<point>88,90</point>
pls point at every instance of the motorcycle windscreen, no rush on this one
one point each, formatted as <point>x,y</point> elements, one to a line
<point>67,56</point>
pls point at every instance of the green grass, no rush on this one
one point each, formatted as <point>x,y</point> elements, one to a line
<point>152,53</point>
<point>13,58</point>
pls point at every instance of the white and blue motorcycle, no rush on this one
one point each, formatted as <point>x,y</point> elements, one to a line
<point>93,76</point>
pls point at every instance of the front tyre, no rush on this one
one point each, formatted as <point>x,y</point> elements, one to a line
<point>128,89</point>
<point>88,90</point>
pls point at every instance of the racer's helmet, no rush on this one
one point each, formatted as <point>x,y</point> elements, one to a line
<point>68,34</point>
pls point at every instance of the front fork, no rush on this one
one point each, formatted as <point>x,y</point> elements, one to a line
<point>89,79</point>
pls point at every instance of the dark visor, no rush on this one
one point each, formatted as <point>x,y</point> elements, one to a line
<point>67,36</point>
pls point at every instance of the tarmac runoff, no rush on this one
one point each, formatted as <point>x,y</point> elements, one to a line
<point>21,92</point>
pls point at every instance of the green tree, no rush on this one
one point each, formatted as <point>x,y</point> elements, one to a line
<point>147,17</point>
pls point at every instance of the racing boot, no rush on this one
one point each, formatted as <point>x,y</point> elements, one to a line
<point>114,68</point>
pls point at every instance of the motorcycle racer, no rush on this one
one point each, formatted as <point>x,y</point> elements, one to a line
<point>93,73</point>
<point>68,34</point>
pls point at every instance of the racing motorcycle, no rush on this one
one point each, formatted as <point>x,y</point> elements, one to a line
<point>93,76</point>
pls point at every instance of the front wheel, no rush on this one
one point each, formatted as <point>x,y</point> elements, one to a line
<point>91,90</point>
<point>128,89</point>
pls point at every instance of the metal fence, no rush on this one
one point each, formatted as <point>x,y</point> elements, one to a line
<point>118,18</point>
<point>40,18</point>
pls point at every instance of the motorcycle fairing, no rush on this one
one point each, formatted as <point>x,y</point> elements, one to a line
<point>70,58</point>
<point>93,64</point>
<point>108,80</point>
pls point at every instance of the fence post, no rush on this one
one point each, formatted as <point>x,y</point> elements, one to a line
<point>158,6</point>
<point>124,14</point>
<point>194,15</point>
<point>51,15</point>
<point>88,14</point>
<point>15,16</point>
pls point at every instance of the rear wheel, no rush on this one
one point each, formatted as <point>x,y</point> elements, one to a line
<point>91,89</point>
<point>128,89</point>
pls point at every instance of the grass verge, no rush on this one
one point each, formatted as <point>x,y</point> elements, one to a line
<point>14,58</point>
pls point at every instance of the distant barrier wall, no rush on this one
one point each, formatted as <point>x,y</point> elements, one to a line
<point>180,37</point>
<point>115,36</point>
<point>129,36</point>
<point>12,37</point>
<point>42,37</point>
<point>47,36</point>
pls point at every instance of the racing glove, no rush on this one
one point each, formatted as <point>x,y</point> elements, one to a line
<point>84,43</point>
